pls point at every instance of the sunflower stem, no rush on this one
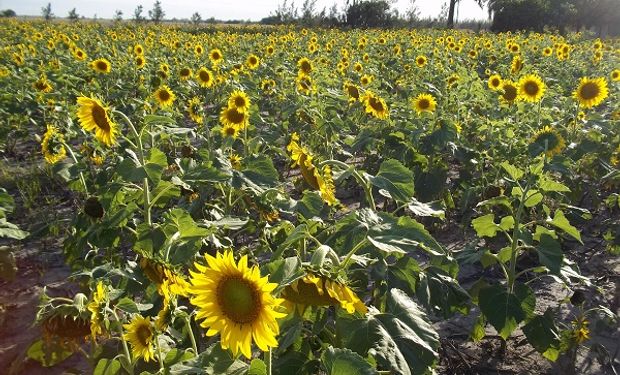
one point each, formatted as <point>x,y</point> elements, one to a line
<point>123,341</point>
<point>159,356</point>
<point>268,363</point>
<point>345,262</point>
<point>190,333</point>
<point>82,179</point>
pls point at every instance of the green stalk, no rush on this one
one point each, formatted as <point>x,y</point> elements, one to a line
<point>347,259</point>
<point>125,346</point>
<point>190,333</point>
<point>268,363</point>
<point>515,241</point>
<point>76,161</point>
<point>159,356</point>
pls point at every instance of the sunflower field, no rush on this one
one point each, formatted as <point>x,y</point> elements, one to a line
<point>279,200</point>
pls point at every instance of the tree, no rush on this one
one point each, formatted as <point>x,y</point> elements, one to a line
<point>452,7</point>
<point>46,12</point>
<point>73,16</point>
<point>308,9</point>
<point>118,15</point>
<point>413,12</point>
<point>8,13</point>
<point>137,14</point>
<point>157,14</point>
<point>196,19</point>
<point>369,13</point>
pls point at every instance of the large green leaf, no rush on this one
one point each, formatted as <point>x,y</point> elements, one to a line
<point>550,253</point>
<point>345,362</point>
<point>48,354</point>
<point>485,226</point>
<point>107,366</point>
<point>543,335</point>
<point>440,292</point>
<point>560,221</point>
<point>514,172</point>
<point>213,361</point>
<point>501,309</point>
<point>10,230</point>
<point>155,164</point>
<point>394,178</point>
<point>258,172</point>
<point>401,339</point>
<point>402,235</point>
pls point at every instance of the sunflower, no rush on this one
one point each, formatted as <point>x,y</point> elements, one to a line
<point>198,50</point>
<point>138,49</point>
<point>141,337</point>
<point>95,306</point>
<point>204,77</point>
<point>239,100</point>
<point>164,96</point>
<point>424,103</point>
<point>268,85</point>
<point>80,54</point>
<point>509,91</point>
<point>305,66</point>
<point>591,92</point>
<point>235,161</point>
<point>531,88</point>
<point>93,116</point>
<point>366,79</point>
<point>42,85</point>
<point>495,82</point>
<point>375,105</point>
<point>452,80</point>
<point>215,55</point>
<point>327,189</point>
<point>252,62</point>
<point>615,75</point>
<point>302,158</point>
<point>615,157</point>
<point>193,109</point>
<point>319,290</point>
<point>52,145</point>
<point>547,141</point>
<point>352,91</point>
<point>235,301</point>
<point>421,61</point>
<point>101,66</point>
<point>230,130</point>
<point>516,65</point>
<point>548,51</point>
<point>232,116</point>
<point>140,61</point>
<point>185,73</point>
<point>305,84</point>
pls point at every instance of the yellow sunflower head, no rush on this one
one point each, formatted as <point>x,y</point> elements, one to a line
<point>164,96</point>
<point>234,300</point>
<point>232,116</point>
<point>305,66</point>
<point>305,84</point>
<point>424,103</point>
<point>194,109</point>
<point>615,75</point>
<point>93,116</point>
<point>185,73</point>
<point>421,61</point>
<point>101,66</point>
<point>352,91</point>
<point>327,189</point>
<point>215,55</point>
<point>531,88</point>
<point>95,306</point>
<point>235,161</point>
<point>252,62</point>
<point>516,65</point>
<point>591,92</point>
<point>495,82</point>
<point>140,61</point>
<point>52,145</point>
<point>204,77</point>
<point>509,92</point>
<point>375,106</point>
<point>366,79</point>
<point>452,80</point>
<point>42,85</point>
<point>141,336</point>
<point>547,141</point>
<point>239,100</point>
<point>230,130</point>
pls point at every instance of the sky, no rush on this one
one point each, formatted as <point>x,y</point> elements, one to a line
<point>225,10</point>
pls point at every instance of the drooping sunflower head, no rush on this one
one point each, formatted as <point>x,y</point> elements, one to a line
<point>547,141</point>
<point>516,65</point>
<point>327,189</point>
<point>591,92</point>
<point>305,84</point>
<point>452,80</point>
<point>235,301</point>
<point>319,290</point>
<point>204,77</point>
<point>375,105</point>
<point>235,161</point>
<point>509,92</point>
<point>302,158</point>
<point>164,96</point>
<point>239,100</point>
<point>93,116</point>
<point>194,109</point>
<point>141,336</point>
<point>495,82</point>
<point>615,157</point>
<point>424,103</point>
<point>101,65</point>
<point>96,306</point>
<point>52,145</point>
<point>232,116</point>
<point>268,85</point>
<point>531,88</point>
<point>252,62</point>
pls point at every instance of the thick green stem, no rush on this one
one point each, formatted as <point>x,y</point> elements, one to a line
<point>515,241</point>
<point>76,161</point>
<point>160,358</point>
<point>347,259</point>
<point>125,346</point>
<point>268,363</point>
<point>190,333</point>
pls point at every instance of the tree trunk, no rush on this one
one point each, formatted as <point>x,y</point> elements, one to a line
<point>451,14</point>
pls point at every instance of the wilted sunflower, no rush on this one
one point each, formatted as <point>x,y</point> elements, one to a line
<point>252,62</point>
<point>375,105</point>
<point>101,66</point>
<point>531,88</point>
<point>141,337</point>
<point>164,96</point>
<point>302,158</point>
<point>52,145</point>
<point>215,55</point>
<point>93,116</point>
<point>547,141</point>
<point>452,80</point>
<point>305,84</point>
<point>96,306</point>
<point>327,189</point>
<point>194,110</point>
<point>591,92</point>
<point>204,77</point>
<point>235,301</point>
<point>235,161</point>
<point>424,103</point>
<point>239,100</point>
<point>319,290</point>
<point>232,116</point>
<point>495,82</point>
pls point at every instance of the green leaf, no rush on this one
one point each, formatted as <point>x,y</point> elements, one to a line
<point>259,171</point>
<point>560,221</point>
<point>501,309</point>
<point>10,230</point>
<point>514,172</point>
<point>533,198</point>
<point>404,235</point>
<point>175,356</point>
<point>543,335</point>
<point>547,184</point>
<point>257,367</point>
<point>485,225</point>
<point>507,223</point>
<point>550,253</point>
<point>440,292</point>
<point>396,179</point>
<point>285,271</point>
<point>186,225</point>
<point>345,362</point>
<point>425,209</point>
<point>213,361</point>
<point>401,339</point>
<point>127,305</point>
<point>107,366</point>
<point>155,164</point>
<point>48,355</point>
<point>310,205</point>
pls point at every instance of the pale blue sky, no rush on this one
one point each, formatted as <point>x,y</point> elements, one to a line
<point>230,9</point>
